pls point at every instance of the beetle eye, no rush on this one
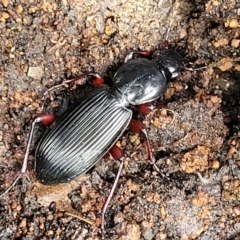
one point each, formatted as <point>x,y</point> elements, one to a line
<point>175,74</point>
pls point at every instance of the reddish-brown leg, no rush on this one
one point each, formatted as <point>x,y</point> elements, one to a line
<point>45,119</point>
<point>83,79</point>
<point>117,153</point>
<point>138,127</point>
<point>146,108</point>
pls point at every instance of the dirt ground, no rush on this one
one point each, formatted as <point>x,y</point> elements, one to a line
<point>195,137</point>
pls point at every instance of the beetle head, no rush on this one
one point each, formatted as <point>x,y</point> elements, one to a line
<point>171,60</point>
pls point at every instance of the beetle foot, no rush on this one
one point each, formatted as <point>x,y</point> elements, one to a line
<point>14,183</point>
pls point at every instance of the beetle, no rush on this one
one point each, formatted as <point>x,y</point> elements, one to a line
<point>85,132</point>
<point>81,136</point>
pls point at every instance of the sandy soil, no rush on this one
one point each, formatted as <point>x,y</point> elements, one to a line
<point>197,131</point>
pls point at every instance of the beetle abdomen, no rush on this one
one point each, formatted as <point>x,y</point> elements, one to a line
<point>80,137</point>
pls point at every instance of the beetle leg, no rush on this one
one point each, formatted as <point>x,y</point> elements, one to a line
<point>116,153</point>
<point>146,108</point>
<point>80,80</point>
<point>83,79</point>
<point>138,127</point>
<point>141,53</point>
<point>45,119</point>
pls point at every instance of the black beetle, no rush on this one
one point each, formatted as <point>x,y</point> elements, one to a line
<point>84,133</point>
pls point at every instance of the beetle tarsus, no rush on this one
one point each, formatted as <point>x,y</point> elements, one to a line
<point>203,180</point>
<point>167,34</point>
<point>12,185</point>
<point>138,127</point>
<point>30,137</point>
<point>79,217</point>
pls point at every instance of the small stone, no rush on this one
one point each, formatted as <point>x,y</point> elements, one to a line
<point>236,210</point>
<point>182,34</point>
<point>163,212</point>
<point>5,3</point>
<point>32,9</point>
<point>50,217</point>
<point>237,67</point>
<point>233,23</point>
<point>5,15</point>
<point>19,208</point>
<point>221,42</point>
<point>215,164</point>
<point>225,64</point>
<point>19,8</point>
<point>163,236</point>
<point>23,223</point>
<point>235,43</point>
<point>35,72</point>
<point>216,3</point>
<point>109,30</point>
<point>49,233</point>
